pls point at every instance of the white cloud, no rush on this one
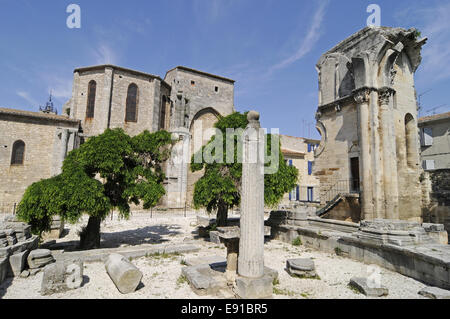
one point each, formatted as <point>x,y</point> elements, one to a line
<point>104,54</point>
<point>434,23</point>
<point>308,43</point>
<point>26,96</point>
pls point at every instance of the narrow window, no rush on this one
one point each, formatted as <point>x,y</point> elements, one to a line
<point>18,153</point>
<point>410,140</point>
<point>216,89</point>
<point>310,164</point>
<point>132,99</point>
<point>193,83</point>
<point>162,116</point>
<point>92,88</point>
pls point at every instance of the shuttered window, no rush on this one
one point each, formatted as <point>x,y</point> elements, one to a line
<point>132,100</point>
<point>92,88</point>
<point>310,166</point>
<point>18,153</point>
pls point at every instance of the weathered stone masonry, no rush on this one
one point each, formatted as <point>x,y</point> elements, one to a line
<point>367,117</point>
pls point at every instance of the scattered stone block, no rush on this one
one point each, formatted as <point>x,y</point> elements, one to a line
<point>123,273</point>
<point>204,280</point>
<point>3,240</point>
<point>435,293</point>
<point>4,266</point>
<point>213,261</point>
<point>367,289</point>
<point>40,258</point>
<point>301,267</point>
<point>25,274</point>
<point>5,252</point>
<point>11,237</point>
<point>56,229</point>
<point>62,276</point>
<point>34,272</point>
<point>18,262</point>
<point>214,237</point>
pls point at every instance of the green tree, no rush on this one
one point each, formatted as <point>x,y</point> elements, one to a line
<point>109,171</point>
<point>220,186</point>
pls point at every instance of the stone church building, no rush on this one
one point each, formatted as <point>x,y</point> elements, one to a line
<point>186,102</point>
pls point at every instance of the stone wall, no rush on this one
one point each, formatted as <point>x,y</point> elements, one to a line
<point>43,135</point>
<point>111,96</point>
<point>332,162</point>
<point>438,210</point>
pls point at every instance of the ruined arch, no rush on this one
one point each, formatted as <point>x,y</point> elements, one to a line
<point>200,124</point>
<point>323,133</point>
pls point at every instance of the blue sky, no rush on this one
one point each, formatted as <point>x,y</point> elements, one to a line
<point>270,47</point>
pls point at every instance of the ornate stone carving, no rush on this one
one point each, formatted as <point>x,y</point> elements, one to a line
<point>361,96</point>
<point>384,95</point>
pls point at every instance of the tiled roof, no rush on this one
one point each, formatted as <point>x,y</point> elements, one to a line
<point>288,152</point>
<point>436,117</point>
<point>38,115</point>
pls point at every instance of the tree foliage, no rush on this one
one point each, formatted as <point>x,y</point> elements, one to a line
<point>109,171</point>
<point>220,186</point>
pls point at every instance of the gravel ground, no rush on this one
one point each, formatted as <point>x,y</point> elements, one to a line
<point>162,273</point>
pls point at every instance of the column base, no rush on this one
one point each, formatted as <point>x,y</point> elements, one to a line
<point>255,288</point>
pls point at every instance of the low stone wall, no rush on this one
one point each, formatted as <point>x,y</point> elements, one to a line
<point>426,261</point>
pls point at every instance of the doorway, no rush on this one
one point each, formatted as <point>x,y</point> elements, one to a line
<point>355,181</point>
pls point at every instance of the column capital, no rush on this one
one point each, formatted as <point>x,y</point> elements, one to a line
<point>384,95</point>
<point>361,95</point>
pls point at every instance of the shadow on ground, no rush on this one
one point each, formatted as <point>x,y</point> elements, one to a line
<point>4,286</point>
<point>132,237</point>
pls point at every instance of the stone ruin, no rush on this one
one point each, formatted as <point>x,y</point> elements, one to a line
<point>416,250</point>
<point>20,256</point>
<point>243,272</point>
<point>16,243</point>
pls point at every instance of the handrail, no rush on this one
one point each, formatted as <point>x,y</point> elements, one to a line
<point>346,186</point>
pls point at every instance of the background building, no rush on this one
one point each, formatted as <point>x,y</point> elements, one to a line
<point>299,152</point>
<point>435,141</point>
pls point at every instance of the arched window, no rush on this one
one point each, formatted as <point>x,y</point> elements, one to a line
<point>162,116</point>
<point>132,100</point>
<point>410,140</point>
<point>18,153</point>
<point>92,88</point>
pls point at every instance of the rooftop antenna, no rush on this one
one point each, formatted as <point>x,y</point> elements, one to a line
<point>433,110</point>
<point>420,99</point>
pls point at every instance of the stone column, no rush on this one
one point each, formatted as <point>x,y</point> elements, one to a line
<point>362,105</point>
<point>251,246</point>
<point>389,156</point>
<point>253,282</point>
<point>376,166</point>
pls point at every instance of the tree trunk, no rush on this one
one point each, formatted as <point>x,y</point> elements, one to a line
<point>90,236</point>
<point>222,215</point>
